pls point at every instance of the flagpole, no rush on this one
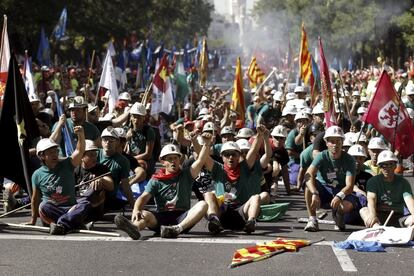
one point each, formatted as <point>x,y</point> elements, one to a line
<point>341,83</point>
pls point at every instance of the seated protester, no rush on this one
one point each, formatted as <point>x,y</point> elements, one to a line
<point>226,134</point>
<point>388,191</point>
<point>330,182</point>
<point>103,122</point>
<point>93,192</point>
<point>306,156</point>
<point>375,146</point>
<point>141,139</point>
<point>171,188</point>
<point>362,177</point>
<point>110,156</point>
<point>295,144</point>
<point>280,159</point>
<point>235,186</point>
<point>54,183</point>
<point>77,110</point>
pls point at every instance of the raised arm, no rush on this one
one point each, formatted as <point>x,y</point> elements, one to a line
<point>203,156</point>
<point>80,146</point>
<point>265,159</point>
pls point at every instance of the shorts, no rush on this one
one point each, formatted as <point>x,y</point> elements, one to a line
<point>233,218</point>
<point>327,193</point>
<point>169,218</point>
<point>293,172</point>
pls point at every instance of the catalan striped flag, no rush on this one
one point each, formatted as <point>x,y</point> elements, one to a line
<point>203,63</point>
<point>237,98</point>
<point>305,65</point>
<point>265,250</point>
<point>255,75</point>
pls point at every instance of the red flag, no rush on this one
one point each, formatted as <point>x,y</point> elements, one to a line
<point>327,95</point>
<point>160,77</point>
<point>382,114</point>
<point>4,57</point>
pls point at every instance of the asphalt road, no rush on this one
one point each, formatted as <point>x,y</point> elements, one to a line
<point>197,253</point>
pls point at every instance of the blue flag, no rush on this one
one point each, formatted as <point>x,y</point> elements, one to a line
<point>186,58</point>
<point>43,52</point>
<point>60,28</point>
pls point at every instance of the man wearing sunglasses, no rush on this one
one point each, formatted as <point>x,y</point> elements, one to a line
<point>386,192</point>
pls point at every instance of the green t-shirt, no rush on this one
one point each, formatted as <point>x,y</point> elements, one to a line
<point>117,164</point>
<point>291,145</point>
<point>333,172</point>
<point>244,187</point>
<point>390,195</point>
<point>306,157</point>
<point>139,139</point>
<point>56,185</point>
<point>409,105</point>
<point>173,193</point>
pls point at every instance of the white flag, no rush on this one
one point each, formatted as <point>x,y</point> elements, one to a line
<point>167,98</point>
<point>108,81</point>
<point>28,78</point>
<point>4,56</point>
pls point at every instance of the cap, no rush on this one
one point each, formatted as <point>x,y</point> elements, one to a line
<point>169,149</point>
<point>357,150</point>
<point>243,144</point>
<point>110,132</point>
<point>334,131</point>
<point>77,102</point>
<point>138,109</point>
<point>245,133</point>
<point>385,156</point>
<point>90,145</point>
<point>124,96</point>
<point>377,143</point>
<point>44,144</point>
<point>279,131</point>
<point>230,146</point>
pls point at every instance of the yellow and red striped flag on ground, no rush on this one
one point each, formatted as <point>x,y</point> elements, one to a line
<point>305,64</point>
<point>237,98</point>
<point>255,75</point>
<point>265,250</point>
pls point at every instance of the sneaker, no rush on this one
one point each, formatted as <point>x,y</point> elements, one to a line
<point>9,201</point>
<point>57,229</point>
<point>338,217</point>
<point>125,225</point>
<point>169,232</point>
<point>312,226</point>
<point>214,225</point>
<point>250,226</point>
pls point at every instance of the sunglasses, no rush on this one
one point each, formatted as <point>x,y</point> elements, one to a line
<point>386,165</point>
<point>227,154</point>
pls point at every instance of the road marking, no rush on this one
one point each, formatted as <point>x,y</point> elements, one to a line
<point>344,259</point>
<point>60,238</point>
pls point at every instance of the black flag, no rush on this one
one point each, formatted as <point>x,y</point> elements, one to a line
<point>18,128</point>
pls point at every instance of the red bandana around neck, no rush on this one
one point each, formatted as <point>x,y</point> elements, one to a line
<point>160,175</point>
<point>232,173</point>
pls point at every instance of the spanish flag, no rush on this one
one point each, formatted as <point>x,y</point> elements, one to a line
<point>254,73</point>
<point>237,99</point>
<point>305,65</point>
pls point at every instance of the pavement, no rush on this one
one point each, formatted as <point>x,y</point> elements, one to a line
<point>35,252</point>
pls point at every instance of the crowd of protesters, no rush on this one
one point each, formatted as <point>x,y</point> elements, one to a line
<point>232,164</point>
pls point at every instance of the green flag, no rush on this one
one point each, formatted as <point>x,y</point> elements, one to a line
<point>180,82</point>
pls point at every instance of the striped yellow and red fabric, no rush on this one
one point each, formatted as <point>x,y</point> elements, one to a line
<point>237,98</point>
<point>262,251</point>
<point>203,63</point>
<point>305,65</point>
<point>255,75</point>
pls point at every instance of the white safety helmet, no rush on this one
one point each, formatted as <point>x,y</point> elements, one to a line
<point>317,109</point>
<point>357,150</point>
<point>230,146</point>
<point>245,133</point>
<point>243,144</point>
<point>377,143</point>
<point>78,102</point>
<point>227,130</point>
<point>203,111</point>
<point>334,131</point>
<point>290,96</point>
<point>410,112</point>
<point>289,110</point>
<point>279,131</point>
<point>385,156</point>
<point>364,99</point>
<point>44,144</point>
<point>170,149</point>
<point>355,93</point>
<point>278,96</point>
<point>409,90</point>
<point>110,132</point>
<point>301,115</point>
<point>187,106</point>
<point>48,111</point>
<point>362,138</point>
<point>347,142</point>
<point>124,96</point>
<point>90,145</point>
<point>121,132</point>
<point>362,110</point>
<point>209,126</point>
<point>204,99</point>
<point>138,109</point>
<point>300,89</point>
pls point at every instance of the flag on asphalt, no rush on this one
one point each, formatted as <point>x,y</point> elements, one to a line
<point>390,120</point>
<point>254,73</point>
<point>4,58</point>
<point>43,52</point>
<point>60,28</point>
<point>327,95</point>
<point>305,64</point>
<point>237,98</point>
<point>19,129</point>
